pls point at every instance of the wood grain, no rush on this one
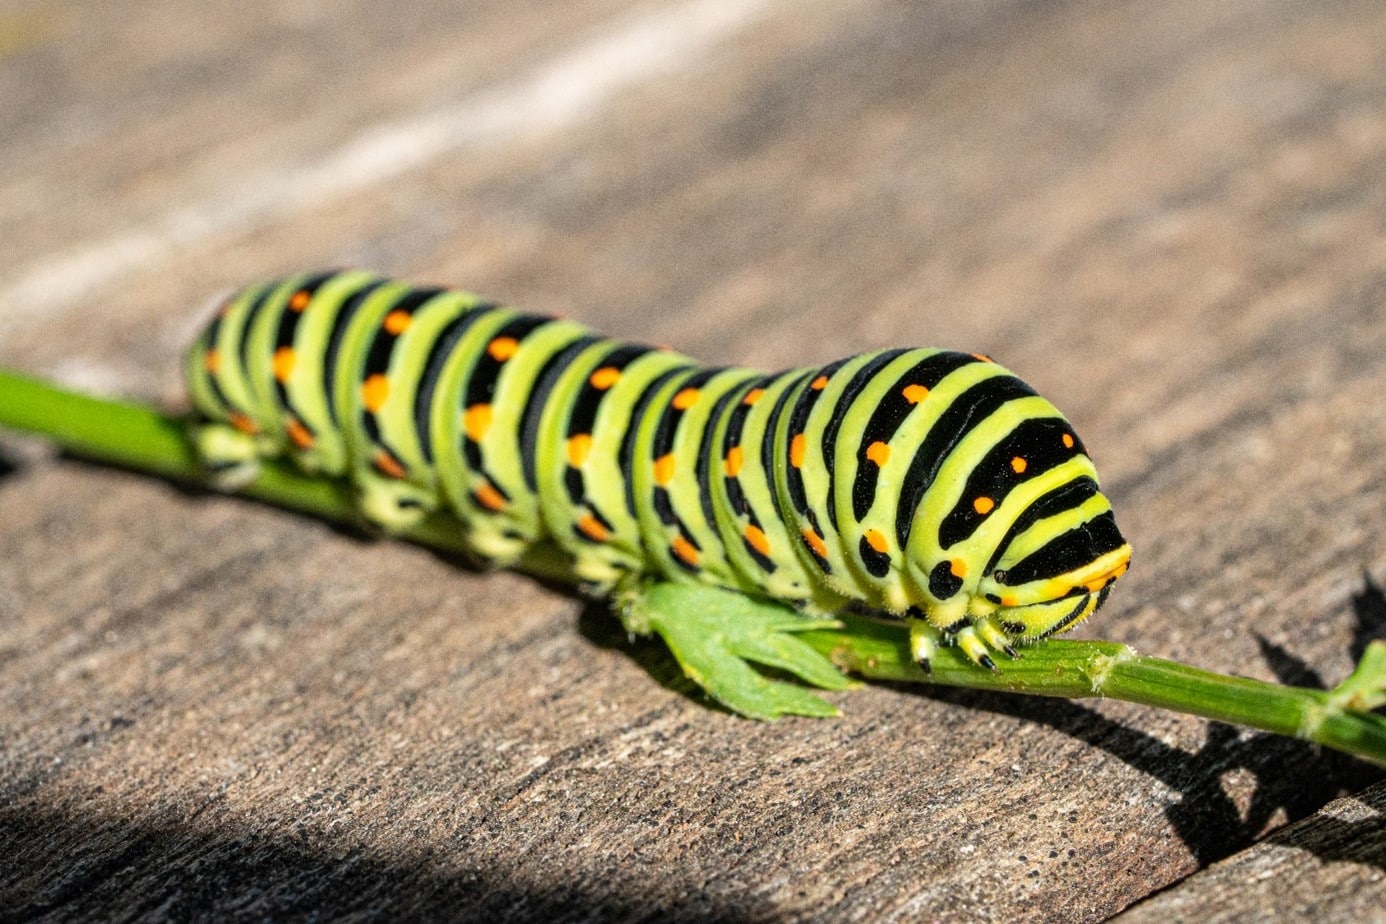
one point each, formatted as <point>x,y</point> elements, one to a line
<point>1327,867</point>
<point>1167,219</point>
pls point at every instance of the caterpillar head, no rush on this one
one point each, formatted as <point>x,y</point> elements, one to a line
<point>1056,573</point>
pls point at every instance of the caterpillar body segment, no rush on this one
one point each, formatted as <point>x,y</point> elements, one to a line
<point>924,484</point>
<point>591,438</point>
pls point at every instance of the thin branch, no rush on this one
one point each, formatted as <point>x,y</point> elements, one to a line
<point>137,437</point>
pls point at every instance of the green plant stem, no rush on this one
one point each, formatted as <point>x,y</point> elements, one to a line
<point>1080,669</point>
<point>137,437</point>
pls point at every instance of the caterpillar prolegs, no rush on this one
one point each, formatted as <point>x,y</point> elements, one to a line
<point>927,485</point>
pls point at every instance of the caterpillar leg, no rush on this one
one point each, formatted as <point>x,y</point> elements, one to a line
<point>231,457</point>
<point>924,640</point>
<point>391,504</point>
<point>716,634</point>
<point>977,640</point>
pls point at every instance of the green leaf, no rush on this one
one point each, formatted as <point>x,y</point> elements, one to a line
<point>714,634</point>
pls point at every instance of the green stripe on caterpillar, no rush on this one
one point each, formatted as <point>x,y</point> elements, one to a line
<point>921,484</point>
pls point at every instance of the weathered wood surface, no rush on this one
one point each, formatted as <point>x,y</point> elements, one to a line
<point>1327,867</point>
<point>1167,217</point>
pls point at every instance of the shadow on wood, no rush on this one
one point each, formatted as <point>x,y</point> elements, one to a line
<point>8,466</point>
<point>1336,839</point>
<point>1290,776</point>
<point>1369,606</point>
<point>1295,778</point>
<point>76,867</point>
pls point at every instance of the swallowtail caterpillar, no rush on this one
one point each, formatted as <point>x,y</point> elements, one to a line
<point>920,484</point>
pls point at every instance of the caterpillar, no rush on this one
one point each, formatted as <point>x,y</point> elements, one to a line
<point>925,485</point>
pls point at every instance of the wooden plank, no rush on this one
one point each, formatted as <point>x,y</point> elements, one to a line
<point>1165,219</point>
<point>1324,868</point>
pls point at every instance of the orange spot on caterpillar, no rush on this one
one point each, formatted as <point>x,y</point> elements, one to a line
<point>734,459</point>
<point>388,465</point>
<point>374,392</point>
<point>1018,465</point>
<point>982,357</point>
<point>299,300</point>
<point>915,393</point>
<point>958,567</point>
<point>284,362</point>
<point>488,497</point>
<point>756,539</point>
<point>879,453</point>
<point>798,447</point>
<point>983,505</point>
<point>397,322</point>
<point>476,420</point>
<point>685,399</point>
<point>685,550</point>
<point>579,445</point>
<point>592,528</point>
<point>211,361</point>
<point>299,435</point>
<point>819,383</point>
<point>664,469</point>
<point>1009,600</point>
<point>753,396</point>
<point>604,378</point>
<point>816,543</point>
<point>1068,441</point>
<point>243,423</point>
<point>502,348</point>
<point>876,540</point>
<point>1094,586</point>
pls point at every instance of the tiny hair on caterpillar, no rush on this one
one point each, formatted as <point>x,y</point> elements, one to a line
<point>924,485</point>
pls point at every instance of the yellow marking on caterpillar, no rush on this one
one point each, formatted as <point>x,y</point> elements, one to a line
<point>664,469</point>
<point>734,459</point>
<point>489,497</point>
<point>476,420</point>
<point>604,378</point>
<point>502,348</point>
<point>798,447</point>
<point>299,435</point>
<point>579,445</point>
<point>374,392</point>
<point>756,539</point>
<point>243,423</point>
<point>685,550</point>
<point>592,528</point>
<point>387,464</point>
<point>397,322</point>
<point>284,361</point>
